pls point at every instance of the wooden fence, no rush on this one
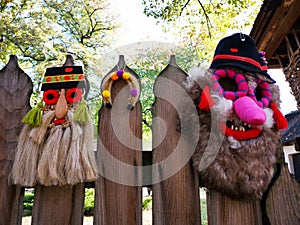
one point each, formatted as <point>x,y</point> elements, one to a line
<point>175,200</point>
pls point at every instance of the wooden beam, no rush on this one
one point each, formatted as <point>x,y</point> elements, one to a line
<point>280,25</point>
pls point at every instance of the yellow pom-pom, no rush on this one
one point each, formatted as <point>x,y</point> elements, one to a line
<point>114,76</point>
<point>106,94</point>
<point>126,76</point>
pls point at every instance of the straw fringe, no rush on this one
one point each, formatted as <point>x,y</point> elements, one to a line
<point>39,135</point>
<point>88,154</point>
<point>48,164</point>
<point>28,152</point>
<point>26,158</point>
<point>55,156</point>
<point>73,166</point>
<point>62,155</point>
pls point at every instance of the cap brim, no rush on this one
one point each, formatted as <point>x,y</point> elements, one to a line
<point>243,66</point>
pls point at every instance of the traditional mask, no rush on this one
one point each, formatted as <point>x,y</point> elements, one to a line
<point>244,99</point>
<point>58,148</point>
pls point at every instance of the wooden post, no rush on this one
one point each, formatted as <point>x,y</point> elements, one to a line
<point>59,205</point>
<point>175,199</point>
<point>118,190</point>
<point>15,91</point>
<point>223,210</point>
<point>283,200</point>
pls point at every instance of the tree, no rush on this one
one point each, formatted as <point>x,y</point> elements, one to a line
<point>45,30</point>
<point>201,24</point>
<point>41,33</point>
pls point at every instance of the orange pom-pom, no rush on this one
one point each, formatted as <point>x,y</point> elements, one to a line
<point>114,76</point>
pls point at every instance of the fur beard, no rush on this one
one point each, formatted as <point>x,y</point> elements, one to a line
<point>55,156</point>
<point>241,172</point>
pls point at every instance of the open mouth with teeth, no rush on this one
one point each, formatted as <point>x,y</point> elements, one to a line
<point>240,131</point>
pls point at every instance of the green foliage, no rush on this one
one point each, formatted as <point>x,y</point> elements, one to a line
<point>28,203</point>
<point>89,201</point>
<point>203,207</point>
<point>147,203</point>
<point>45,30</point>
<point>201,24</point>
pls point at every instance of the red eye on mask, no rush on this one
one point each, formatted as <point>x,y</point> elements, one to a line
<point>73,95</point>
<point>50,97</point>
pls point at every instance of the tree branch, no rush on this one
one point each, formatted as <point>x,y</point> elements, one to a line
<point>206,17</point>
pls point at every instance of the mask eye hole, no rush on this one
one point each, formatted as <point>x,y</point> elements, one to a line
<point>229,84</point>
<point>261,93</point>
<point>73,95</point>
<point>258,94</point>
<point>50,97</point>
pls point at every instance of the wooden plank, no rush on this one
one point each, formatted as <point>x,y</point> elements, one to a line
<point>118,190</point>
<point>283,200</point>
<point>280,25</point>
<point>223,210</point>
<point>59,205</point>
<point>15,90</point>
<point>176,199</point>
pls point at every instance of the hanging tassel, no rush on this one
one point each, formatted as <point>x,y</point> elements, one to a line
<point>81,114</point>
<point>34,116</point>
<point>280,120</point>
<point>206,101</point>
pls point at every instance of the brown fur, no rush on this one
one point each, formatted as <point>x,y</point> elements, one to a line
<point>240,173</point>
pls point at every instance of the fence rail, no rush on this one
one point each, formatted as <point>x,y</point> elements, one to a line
<point>176,198</point>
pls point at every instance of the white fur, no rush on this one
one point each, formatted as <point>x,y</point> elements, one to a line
<point>269,118</point>
<point>223,107</point>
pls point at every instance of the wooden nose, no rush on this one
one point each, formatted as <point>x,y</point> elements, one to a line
<point>61,107</point>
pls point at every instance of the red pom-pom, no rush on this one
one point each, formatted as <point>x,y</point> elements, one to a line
<point>280,120</point>
<point>206,101</point>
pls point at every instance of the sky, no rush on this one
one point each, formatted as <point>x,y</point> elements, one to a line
<point>136,27</point>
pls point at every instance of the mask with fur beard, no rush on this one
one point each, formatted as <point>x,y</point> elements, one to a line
<point>59,151</point>
<point>237,167</point>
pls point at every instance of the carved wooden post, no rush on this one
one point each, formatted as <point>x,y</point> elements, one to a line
<point>223,210</point>
<point>283,200</point>
<point>175,198</point>
<point>59,205</point>
<point>118,190</point>
<point>15,90</point>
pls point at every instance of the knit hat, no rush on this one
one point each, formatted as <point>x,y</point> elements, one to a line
<point>63,77</point>
<point>239,50</point>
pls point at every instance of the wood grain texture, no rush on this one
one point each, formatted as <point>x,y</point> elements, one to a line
<point>15,91</point>
<point>223,210</point>
<point>118,190</point>
<point>283,202</point>
<point>59,205</point>
<point>175,199</point>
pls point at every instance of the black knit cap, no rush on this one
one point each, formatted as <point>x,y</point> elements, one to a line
<point>239,50</point>
<point>63,77</point>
